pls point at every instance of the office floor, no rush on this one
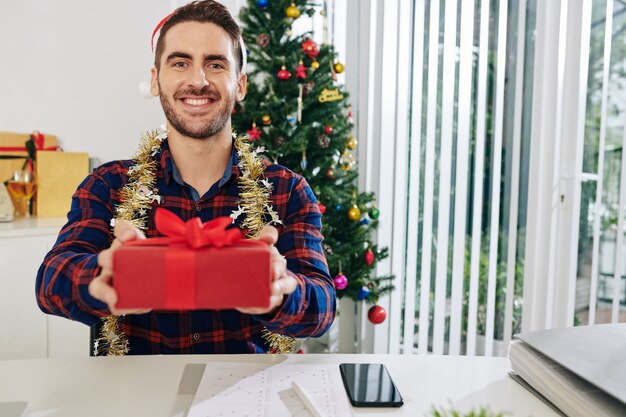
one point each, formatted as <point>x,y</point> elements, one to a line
<point>603,306</point>
<point>603,314</point>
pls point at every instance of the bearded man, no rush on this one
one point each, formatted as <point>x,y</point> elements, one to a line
<point>198,76</point>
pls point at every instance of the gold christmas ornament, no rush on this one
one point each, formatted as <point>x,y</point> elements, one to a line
<point>266,119</point>
<point>352,143</point>
<point>339,67</point>
<point>354,213</point>
<point>330,95</point>
<point>292,11</point>
<point>346,162</point>
<point>315,65</point>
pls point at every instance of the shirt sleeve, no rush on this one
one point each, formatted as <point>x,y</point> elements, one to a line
<point>310,309</point>
<point>63,278</point>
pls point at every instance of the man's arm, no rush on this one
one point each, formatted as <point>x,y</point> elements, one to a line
<point>310,309</point>
<point>63,278</point>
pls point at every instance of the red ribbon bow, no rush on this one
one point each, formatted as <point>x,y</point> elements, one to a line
<point>195,233</point>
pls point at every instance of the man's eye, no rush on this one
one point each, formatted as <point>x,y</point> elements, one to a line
<point>216,66</point>
<point>179,64</point>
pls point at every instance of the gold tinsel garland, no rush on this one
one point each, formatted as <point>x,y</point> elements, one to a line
<point>137,197</point>
<point>141,191</point>
<point>254,198</point>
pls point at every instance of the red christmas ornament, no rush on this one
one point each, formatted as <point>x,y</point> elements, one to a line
<point>369,257</point>
<point>322,208</point>
<point>301,71</point>
<point>310,48</point>
<point>283,74</point>
<point>254,134</point>
<point>328,129</point>
<point>376,314</point>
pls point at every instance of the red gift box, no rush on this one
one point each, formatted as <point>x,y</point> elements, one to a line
<point>197,266</point>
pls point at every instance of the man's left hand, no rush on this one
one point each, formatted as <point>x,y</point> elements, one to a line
<point>283,284</point>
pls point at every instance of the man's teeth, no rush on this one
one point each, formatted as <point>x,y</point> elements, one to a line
<point>196,102</point>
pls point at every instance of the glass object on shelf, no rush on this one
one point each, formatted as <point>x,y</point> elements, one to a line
<point>22,187</point>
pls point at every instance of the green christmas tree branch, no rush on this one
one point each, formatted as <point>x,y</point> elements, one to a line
<point>320,146</point>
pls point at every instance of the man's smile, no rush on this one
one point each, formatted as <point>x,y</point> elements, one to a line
<point>195,102</point>
<point>198,103</point>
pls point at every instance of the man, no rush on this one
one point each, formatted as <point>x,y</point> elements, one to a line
<point>198,76</point>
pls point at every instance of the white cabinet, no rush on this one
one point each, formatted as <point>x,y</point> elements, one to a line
<point>25,331</point>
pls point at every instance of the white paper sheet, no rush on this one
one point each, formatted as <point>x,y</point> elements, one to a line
<point>253,390</point>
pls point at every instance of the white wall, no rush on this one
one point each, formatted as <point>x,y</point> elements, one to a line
<point>72,68</point>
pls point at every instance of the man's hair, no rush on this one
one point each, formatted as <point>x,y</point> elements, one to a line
<point>205,11</point>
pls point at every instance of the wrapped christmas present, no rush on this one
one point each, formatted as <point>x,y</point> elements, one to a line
<point>195,266</point>
<point>16,149</point>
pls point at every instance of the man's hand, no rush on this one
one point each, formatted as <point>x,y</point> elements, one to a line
<point>100,287</point>
<point>283,284</point>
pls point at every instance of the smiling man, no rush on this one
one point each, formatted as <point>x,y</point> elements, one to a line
<point>198,75</point>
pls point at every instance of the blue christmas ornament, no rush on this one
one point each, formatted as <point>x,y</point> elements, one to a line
<point>291,120</point>
<point>262,3</point>
<point>338,207</point>
<point>363,293</point>
<point>365,220</point>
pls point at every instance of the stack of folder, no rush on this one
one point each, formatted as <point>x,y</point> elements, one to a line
<point>579,371</point>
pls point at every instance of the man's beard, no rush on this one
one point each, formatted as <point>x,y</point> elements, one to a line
<point>211,127</point>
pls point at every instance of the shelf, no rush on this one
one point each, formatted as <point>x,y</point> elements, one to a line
<point>32,226</point>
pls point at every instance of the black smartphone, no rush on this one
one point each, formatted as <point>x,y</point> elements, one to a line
<point>369,385</point>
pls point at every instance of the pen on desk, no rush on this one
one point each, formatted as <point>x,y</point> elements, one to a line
<point>310,405</point>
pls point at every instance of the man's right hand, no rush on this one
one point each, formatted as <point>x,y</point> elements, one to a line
<point>101,288</point>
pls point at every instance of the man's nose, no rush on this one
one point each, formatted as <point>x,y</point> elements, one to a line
<point>198,78</point>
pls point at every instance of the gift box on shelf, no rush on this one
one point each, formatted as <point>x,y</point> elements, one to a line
<point>14,151</point>
<point>196,266</point>
<point>58,175</point>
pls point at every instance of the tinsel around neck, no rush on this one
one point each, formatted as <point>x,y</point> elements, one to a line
<point>141,192</point>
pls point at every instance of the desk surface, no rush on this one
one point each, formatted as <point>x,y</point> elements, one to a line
<point>148,385</point>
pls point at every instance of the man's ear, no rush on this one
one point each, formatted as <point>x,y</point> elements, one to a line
<point>242,86</point>
<point>154,82</point>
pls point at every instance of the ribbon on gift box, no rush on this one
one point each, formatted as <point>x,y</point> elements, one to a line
<point>35,143</point>
<point>38,140</point>
<point>193,233</point>
<point>180,268</point>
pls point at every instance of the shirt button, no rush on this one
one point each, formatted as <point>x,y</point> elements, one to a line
<point>198,208</point>
<point>196,336</point>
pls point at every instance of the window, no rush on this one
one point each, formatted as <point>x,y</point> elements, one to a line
<point>467,184</point>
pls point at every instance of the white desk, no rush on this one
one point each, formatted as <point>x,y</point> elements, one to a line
<point>148,385</point>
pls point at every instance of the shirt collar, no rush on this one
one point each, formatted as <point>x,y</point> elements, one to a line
<point>171,172</point>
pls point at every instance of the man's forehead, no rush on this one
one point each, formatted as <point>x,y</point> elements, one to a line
<point>196,37</point>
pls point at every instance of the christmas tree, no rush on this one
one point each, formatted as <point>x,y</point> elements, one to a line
<point>297,111</point>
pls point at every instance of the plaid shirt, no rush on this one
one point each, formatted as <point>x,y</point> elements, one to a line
<point>68,268</point>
